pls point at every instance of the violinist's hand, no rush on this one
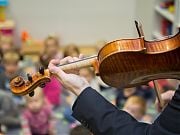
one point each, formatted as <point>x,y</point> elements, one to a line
<point>71,81</point>
<point>166,97</point>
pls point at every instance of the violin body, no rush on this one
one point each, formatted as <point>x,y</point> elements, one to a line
<point>128,63</point>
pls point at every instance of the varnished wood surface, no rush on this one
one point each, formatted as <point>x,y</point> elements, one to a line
<point>160,46</point>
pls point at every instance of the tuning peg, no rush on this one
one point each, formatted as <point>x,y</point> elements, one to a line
<point>42,85</point>
<point>41,70</point>
<point>31,94</point>
<point>29,77</point>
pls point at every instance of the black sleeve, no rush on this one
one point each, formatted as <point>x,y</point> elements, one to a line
<point>102,118</point>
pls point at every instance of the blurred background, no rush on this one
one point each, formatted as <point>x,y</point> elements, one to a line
<point>32,32</point>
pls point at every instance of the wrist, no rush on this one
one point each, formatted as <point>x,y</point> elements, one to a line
<point>77,92</point>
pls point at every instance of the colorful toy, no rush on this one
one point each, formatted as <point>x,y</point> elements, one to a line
<point>3,4</point>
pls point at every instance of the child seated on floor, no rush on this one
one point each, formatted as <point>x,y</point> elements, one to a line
<point>51,50</point>
<point>37,118</point>
<point>136,106</point>
<point>10,63</point>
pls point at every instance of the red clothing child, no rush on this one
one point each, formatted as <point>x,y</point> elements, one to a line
<point>52,91</point>
<point>37,118</point>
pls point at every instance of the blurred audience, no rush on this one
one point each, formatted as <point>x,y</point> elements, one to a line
<point>123,95</point>
<point>51,50</point>
<point>37,117</point>
<point>136,106</point>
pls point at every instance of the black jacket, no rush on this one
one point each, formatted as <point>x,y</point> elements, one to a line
<point>102,118</point>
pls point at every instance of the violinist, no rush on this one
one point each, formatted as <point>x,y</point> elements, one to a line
<point>102,118</point>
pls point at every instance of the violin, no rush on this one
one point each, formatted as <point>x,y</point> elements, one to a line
<point>121,63</point>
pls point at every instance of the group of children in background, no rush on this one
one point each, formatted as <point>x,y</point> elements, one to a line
<point>35,115</point>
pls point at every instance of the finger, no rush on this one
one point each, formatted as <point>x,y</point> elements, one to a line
<point>53,67</point>
<point>76,59</point>
<point>66,60</point>
<point>61,74</point>
<point>81,56</point>
<point>54,62</point>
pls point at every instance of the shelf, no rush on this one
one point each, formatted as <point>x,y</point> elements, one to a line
<point>165,13</point>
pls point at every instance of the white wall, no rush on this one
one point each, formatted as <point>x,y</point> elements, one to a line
<point>145,14</point>
<point>77,21</point>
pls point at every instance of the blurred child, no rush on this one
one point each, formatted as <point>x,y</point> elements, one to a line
<point>9,113</point>
<point>11,66</point>
<point>71,50</point>
<point>6,44</point>
<point>136,106</point>
<point>123,95</point>
<point>52,90</point>
<point>80,130</point>
<point>51,50</point>
<point>37,118</point>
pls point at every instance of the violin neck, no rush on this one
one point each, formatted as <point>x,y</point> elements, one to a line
<point>86,62</point>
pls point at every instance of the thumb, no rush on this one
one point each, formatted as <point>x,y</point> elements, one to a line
<point>54,69</point>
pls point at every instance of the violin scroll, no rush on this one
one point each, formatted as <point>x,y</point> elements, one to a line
<point>21,87</point>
